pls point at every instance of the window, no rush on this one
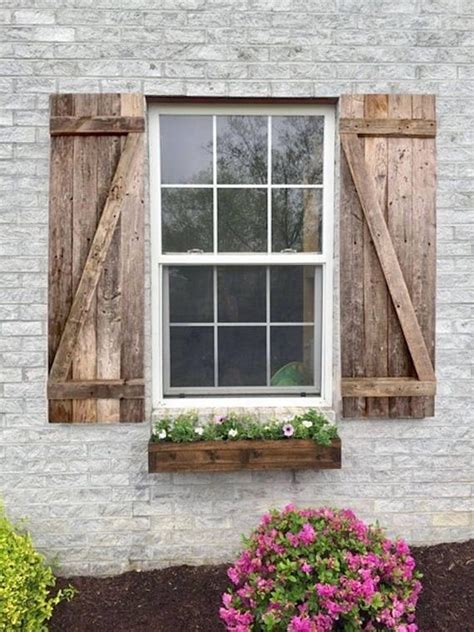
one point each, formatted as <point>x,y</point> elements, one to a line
<point>241,252</point>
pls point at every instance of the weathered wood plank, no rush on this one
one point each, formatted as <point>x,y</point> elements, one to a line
<point>85,214</point>
<point>387,257</point>
<point>396,127</point>
<point>60,291</point>
<point>226,456</point>
<point>375,288</point>
<point>97,389</point>
<point>83,299</point>
<point>133,268</point>
<point>109,288</point>
<point>352,265</point>
<point>400,226</point>
<point>424,247</point>
<point>96,125</point>
<point>386,387</point>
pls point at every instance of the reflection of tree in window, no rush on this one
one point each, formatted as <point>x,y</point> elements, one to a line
<point>297,149</point>
<point>296,219</point>
<point>242,219</point>
<point>186,219</point>
<point>242,149</point>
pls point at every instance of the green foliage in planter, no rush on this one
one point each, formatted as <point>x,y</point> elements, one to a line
<point>189,427</point>
<point>27,583</point>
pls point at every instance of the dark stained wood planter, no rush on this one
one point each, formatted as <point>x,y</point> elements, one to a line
<point>227,456</point>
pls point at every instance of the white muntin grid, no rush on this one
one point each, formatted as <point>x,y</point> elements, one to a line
<point>322,365</point>
<point>267,324</point>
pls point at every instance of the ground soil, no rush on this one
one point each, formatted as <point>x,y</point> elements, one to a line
<point>187,599</point>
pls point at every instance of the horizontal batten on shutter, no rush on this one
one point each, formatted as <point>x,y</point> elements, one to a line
<point>388,262</point>
<point>96,237</point>
<point>95,125</point>
<point>97,389</point>
<point>386,387</point>
<point>410,128</point>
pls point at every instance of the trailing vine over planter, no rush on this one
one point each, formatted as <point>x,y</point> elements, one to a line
<point>237,442</point>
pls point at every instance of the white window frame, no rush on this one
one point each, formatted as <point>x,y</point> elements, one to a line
<point>323,259</point>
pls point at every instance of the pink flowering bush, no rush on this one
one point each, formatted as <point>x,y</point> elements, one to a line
<point>317,570</point>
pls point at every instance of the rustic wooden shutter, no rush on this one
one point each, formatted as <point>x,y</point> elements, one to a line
<point>96,258</point>
<point>388,233</point>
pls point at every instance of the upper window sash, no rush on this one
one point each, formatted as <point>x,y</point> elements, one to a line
<point>278,255</point>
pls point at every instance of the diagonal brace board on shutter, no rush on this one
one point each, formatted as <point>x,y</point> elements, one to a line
<point>354,152</point>
<point>81,305</point>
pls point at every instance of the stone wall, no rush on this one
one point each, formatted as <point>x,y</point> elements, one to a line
<point>85,490</point>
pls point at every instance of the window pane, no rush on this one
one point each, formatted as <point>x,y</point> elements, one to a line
<point>241,294</point>
<point>292,353</point>
<point>242,149</point>
<point>242,356</point>
<point>186,149</point>
<point>192,356</point>
<point>292,294</point>
<point>297,149</point>
<point>190,294</point>
<point>186,216</point>
<point>242,220</point>
<point>297,219</point>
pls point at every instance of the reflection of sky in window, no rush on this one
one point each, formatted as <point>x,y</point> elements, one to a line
<point>186,149</point>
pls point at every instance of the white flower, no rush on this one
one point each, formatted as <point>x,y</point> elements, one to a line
<point>199,430</point>
<point>233,432</point>
<point>162,434</point>
<point>266,427</point>
<point>307,424</point>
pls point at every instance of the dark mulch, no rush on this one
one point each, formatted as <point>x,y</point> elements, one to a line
<point>187,599</point>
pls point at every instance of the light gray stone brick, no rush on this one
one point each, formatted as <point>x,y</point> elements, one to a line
<point>86,489</point>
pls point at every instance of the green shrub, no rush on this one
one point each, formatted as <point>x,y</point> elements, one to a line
<point>27,596</point>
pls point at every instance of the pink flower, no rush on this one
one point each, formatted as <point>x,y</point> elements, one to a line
<point>333,608</point>
<point>401,547</point>
<point>233,575</point>
<point>323,622</point>
<point>298,624</point>
<point>292,539</point>
<point>368,589</point>
<point>288,430</point>
<point>226,600</point>
<point>326,590</point>
<point>307,535</point>
<point>374,588</point>
<point>219,419</point>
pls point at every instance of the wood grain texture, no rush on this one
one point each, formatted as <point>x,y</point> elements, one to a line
<point>60,245</point>
<point>133,267</point>
<point>86,336</point>
<point>81,311</point>
<point>387,257</point>
<point>424,246</point>
<point>107,390</point>
<point>352,262</point>
<point>96,125</point>
<point>227,456</point>
<point>109,288</point>
<point>85,217</point>
<point>400,226</point>
<point>404,189</point>
<point>392,387</point>
<point>375,287</point>
<point>390,127</point>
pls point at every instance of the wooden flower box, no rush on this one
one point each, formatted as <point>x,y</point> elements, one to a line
<point>227,456</point>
